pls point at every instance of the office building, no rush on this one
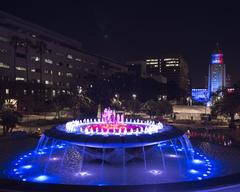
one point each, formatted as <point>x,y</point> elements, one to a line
<point>172,70</point>
<point>32,57</point>
<point>216,72</point>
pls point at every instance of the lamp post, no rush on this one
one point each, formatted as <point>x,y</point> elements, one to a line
<point>134,96</point>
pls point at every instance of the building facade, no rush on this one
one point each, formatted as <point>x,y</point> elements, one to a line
<point>172,70</point>
<point>32,57</point>
<point>216,72</point>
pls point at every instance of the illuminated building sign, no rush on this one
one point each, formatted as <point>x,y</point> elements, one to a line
<point>217,58</point>
<point>200,95</point>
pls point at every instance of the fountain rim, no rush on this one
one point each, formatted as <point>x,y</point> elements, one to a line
<point>229,180</point>
<point>115,141</point>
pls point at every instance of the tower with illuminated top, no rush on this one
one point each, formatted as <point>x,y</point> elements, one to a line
<point>217,72</point>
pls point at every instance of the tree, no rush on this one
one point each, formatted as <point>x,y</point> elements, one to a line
<point>133,106</point>
<point>163,108</point>
<point>150,107</point>
<point>116,103</point>
<point>228,104</point>
<point>157,108</point>
<point>9,120</point>
<point>81,103</point>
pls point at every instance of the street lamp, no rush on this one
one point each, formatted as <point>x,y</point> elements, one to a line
<point>134,96</point>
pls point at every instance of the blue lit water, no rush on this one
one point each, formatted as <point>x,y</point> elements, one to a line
<point>67,163</point>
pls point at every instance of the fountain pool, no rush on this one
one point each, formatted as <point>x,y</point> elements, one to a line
<point>113,151</point>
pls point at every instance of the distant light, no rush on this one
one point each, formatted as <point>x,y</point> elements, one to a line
<point>24,179</point>
<point>155,172</point>
<point>205,175</point>
<point>161,144</point>
<point>83,174</point>
<point>199,178</point>
<point>197,161</point>
<point>54,159</point>
<point>193,171</point>
<point>41,178</point>
<point>173,155</point>
<point>41,153</point>
<point>179,149</point>
<point>27,166</point>
<point>15,170</point>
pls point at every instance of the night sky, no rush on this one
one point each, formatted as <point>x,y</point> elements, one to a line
<point>129,30</point>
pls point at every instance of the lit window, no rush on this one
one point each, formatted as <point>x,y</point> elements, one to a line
<point>48,61</point>
<point>53,93</point>
<point>32,92</point>
<point>59,73</point>
<point>20,79</point>
<point>48,82</point>
<point>21,68</point>
<point>170,59</point>
<point>7,91</point>
<point>33,70</point>
<point>35,58</point>
<point>25,92</point>
<point>38,81</point>
<point>77,59</point>
<point>3,65</point>
<point>69,74</point>
<point>69,56</point>
<point>48,71</point>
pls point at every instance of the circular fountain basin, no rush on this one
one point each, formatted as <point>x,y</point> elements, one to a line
<point>96,154</point>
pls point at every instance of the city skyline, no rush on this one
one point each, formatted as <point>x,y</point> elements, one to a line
<point>131,31</point>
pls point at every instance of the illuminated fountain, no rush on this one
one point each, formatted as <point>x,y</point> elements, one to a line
<point>112,150</point>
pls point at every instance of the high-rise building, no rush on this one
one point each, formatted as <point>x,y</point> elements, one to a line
<point>174,69</point>
<point>216,72</point>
